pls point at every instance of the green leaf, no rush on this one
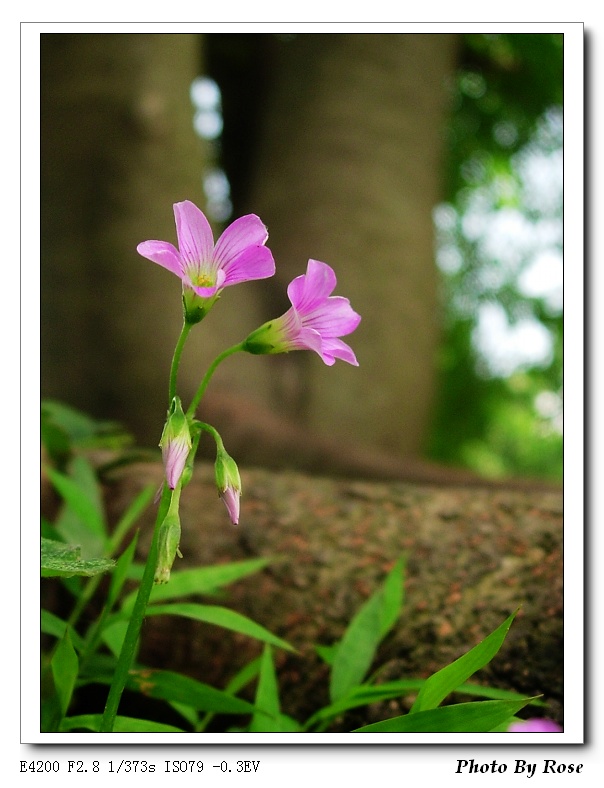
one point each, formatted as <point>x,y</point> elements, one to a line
<point>368,693</point>
<point>445,681</point>
<point>130,516</point>
<point>64,665</point>
<point>78,429</point>
<point>327,653</point>
<point>241,679</point>
<point>174,687</point>
<point>364,695</point>
<point>113,635</point>
<point>203,580</point>
<point>267,698</point>
<point>120,575</point>
<point>118,578</point>
<point>63,560</point>
<point>222,617</point>
<point>356,651</point>
<point>244,676</point>
<point>84,521</point>
<point>55,626</point>
<point>475,717</point>
<point>92,722</point>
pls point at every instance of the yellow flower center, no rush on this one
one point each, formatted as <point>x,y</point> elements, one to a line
<point>204,279</point>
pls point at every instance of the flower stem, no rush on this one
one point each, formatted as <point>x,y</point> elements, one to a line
<point>203,427</point>
<point>176,359</point>
<point>128,650</point>
<point>129,645</point>
<point>207,377</point>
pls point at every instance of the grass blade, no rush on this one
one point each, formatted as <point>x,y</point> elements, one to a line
<point>222,617</point>
<point>360,641</point>
<point>473,717</point>
<point>445,681</point>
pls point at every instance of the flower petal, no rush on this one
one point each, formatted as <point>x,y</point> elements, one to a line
<point>535,725</point>
<point>333,318</point>
<point>162,253</point>
<point>175,456</point>
<point>230,496</point>
<point>195,239</point>
<point>238,236</point>
<point>255,262</point>
<point>332,348</point>
<point>308,339</point>
<point>306,292</point>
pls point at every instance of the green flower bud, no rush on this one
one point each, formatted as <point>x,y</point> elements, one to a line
<point>228,482</point>
<point>167,550</point>
<point>175,443</point>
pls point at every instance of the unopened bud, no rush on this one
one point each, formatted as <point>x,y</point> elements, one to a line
<point>175,443</point>
<point>167,549</point>
<point>228,482</point>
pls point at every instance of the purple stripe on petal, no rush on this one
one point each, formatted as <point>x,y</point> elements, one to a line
<point>254,262</point>
<point>175,456</point>
<point>195,239</point>
<point>333,318</point>
<point>242,233</point>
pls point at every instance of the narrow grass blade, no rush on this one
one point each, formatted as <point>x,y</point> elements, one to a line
<point>474,717</point>
<point>92,722</point>
<point>445,681</point>
<point>64,665</point>
<point>81,493</point>
<point>267,697</point>
<point>222,617</point>
<point>170,686</point>
<point>360,641</point>
<point>202,580</point>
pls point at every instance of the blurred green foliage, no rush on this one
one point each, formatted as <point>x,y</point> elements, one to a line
<point>507,119</point>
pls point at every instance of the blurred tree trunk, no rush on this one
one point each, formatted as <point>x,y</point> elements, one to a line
<point>348,172</point>
<point>118,148</point>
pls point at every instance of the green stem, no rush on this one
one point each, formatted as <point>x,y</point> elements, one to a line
<point>203,427</point>
<point>176,359</point>
<point>128,650</point>
<point>207,377</point>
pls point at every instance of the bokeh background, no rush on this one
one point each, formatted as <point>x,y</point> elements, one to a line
<point>426,169</point>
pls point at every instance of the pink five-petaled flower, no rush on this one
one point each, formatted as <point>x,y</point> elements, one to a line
<point>535,725</point>
<point>205,268</point>
<point>315,320</point>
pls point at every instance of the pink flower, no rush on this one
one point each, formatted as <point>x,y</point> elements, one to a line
<point>206,268</point>
<point>535,725</point>
<point>315,320</point>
